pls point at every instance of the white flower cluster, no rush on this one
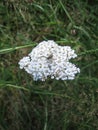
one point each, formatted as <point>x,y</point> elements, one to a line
<point>48,59</point>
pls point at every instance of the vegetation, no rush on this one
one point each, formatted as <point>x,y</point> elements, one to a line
<point>50,105</point>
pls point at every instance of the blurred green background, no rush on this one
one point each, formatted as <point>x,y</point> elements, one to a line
<point>50,105</point>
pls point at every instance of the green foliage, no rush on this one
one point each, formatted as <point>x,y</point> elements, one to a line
<point>50,105</point>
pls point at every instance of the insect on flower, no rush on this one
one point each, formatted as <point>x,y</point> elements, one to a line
<point>49,57</point>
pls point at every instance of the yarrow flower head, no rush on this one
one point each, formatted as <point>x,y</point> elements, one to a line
<point>48,59</point>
